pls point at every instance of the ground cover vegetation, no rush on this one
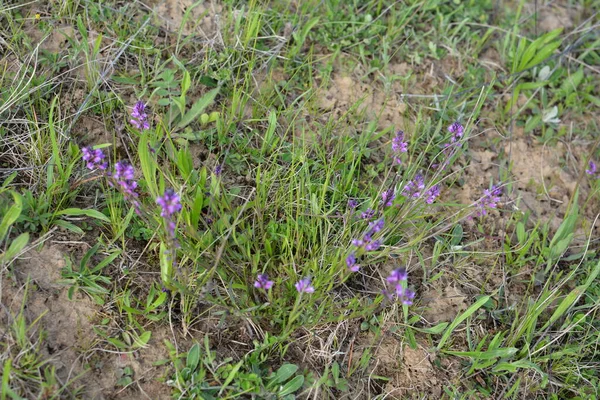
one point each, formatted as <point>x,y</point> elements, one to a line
<point>318,199</point>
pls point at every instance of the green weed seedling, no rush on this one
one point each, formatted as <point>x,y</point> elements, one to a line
<point>89,279</point>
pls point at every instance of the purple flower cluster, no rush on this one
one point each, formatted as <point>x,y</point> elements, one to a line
<point>490,199</point>
<point>139,118</point>
<point>94,158</point>
<point>351,262</point>
<point>432,193</point>
<point>387,198</point>
<point>170,203</point>
<point>352,204</point>
<point>304,285</point>
<point>415,187</point>
<point>592,168</point>
<point>367,243</point>
<point>367,214</point>
<point>263,282</point>
<point>124,177</point>
<point>457,131</point>
<point>399,146</point>
<point>397,280</point>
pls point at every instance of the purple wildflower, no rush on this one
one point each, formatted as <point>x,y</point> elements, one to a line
<point>432,194</point>
<point>399,146</point>
<point>263,282</point>
<point>387,198</point>
<point>490,199</point>
<point>139,118</point>
<point>170,203</point>
<point>352,204</point>
<point>457,130</point>
<point>376,226</point>
<point>367,214</point>
<point>123,171</point>
<point>397,275</point>
<point>304,286</point>
<point>407,297</point>
<point>351,262</point>
<point>590,171</point>
<point>218,169</point>
<point>124,176</point>
<point>357,242</point>
<point>397,280</point>
<point>94,158</point>
<point>373,246</point>
<point>415,187</point>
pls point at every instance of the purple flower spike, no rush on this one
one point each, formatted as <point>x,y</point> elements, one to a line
<point>94,158</point>
<point>218,169</point>
<point>415,187</point>
<point>374,245</point>
<point>352,204</point>
<point>387,198</point>
<point>397,275</point>
<point>357,243</point>
<point>377,226</point>
<point>123,172</point>
<point>304,286</point>
<point>170,203</point>
<point>367,214</point>
<point>408,297</point>
<point>398,143</point>
<point>432,194</point>
<point>590,171</point>
<point>490,199</point>
<point>263,282</point>
<point>351,262</point>
<point>457,130</point>
<point>139,118</point>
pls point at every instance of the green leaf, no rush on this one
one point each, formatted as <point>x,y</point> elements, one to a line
<point>88,213</point>
<point>232,375</point>
<point>292,386</point>
<point>15,247</point>
<point>458,320</point>
<point>142,340</point>
<point>485,355</point>
<point>193,357</point>
<point>434,330</point>
<point>197,108</point>
<point>148,165</point>
<point>284,373</point>
<point>69,226</point>
<point>11,215</point>
<point>166,266</point>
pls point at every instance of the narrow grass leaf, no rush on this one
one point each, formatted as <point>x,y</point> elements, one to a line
<point>88,213</point>
<point>484,355</point>
<point>470,311</point>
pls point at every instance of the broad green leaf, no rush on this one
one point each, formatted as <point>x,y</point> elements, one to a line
<point>69,226</point>
<point>193,357</point>
<point>284,373</point>
<point>15,247</point>
<point>142,340</point>
<point>292,386</point>
<point>197,108</point>
<point>88,213</point>
<point>11,215</point>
